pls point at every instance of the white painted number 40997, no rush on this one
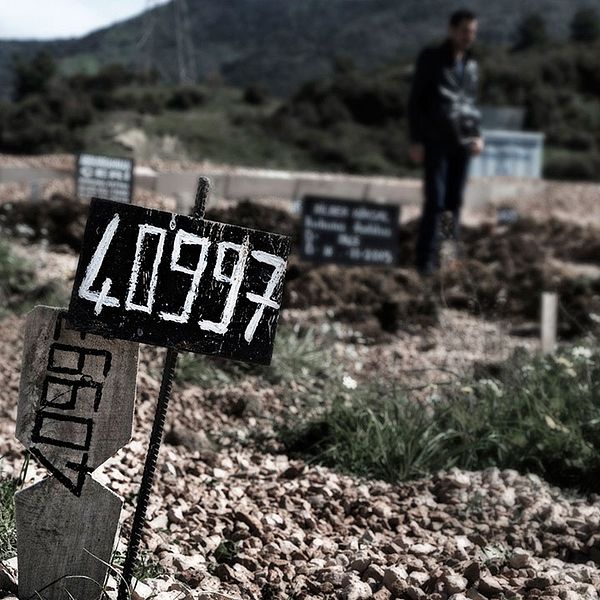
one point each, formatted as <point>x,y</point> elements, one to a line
<point>102,297</point>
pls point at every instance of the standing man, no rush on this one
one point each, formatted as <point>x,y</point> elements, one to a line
<point>444,130</point>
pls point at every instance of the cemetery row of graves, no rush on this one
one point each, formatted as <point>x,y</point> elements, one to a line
<point>402,443</point>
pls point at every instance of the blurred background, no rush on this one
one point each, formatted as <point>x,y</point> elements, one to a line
<point>292,85</point>
<point>428,425</point>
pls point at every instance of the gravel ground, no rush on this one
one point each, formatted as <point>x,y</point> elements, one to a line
<point>284,528</point>
<point>296,530</point>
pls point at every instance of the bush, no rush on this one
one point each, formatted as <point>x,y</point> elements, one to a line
<point>531,32</point>
<point>15,277</point>
<point>109,78</point>
<point>145,566</point>
<point>540,416</point>
<point>71,110</point>
<point>148,102</point>
<point>185,98</point>
<point>255,95</point>
<point>44,124</point>
<point>34,76</point>
<point>572,166</point>
<point>566,137</point>
<point>367,99</point>
<point>589,74</point>
<point>585,26</point>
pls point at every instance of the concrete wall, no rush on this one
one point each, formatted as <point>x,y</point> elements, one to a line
<point>144,176</point>
<point>253,184</point>
<point>28,174</point>
<point>290,185</point>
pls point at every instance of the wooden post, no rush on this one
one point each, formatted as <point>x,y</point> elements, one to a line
<point>36,192</point>
<point>64,540</point>
<point>549,322</point>
<point>131,284</point>
<point>75,411</point>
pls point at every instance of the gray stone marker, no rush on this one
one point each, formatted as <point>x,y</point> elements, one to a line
<point>509,154</point>
<point>75,411</point>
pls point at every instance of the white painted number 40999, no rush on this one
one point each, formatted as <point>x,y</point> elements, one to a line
<point>102,297</point>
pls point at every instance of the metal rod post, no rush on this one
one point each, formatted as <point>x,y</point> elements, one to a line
<point>139,519</point>
<point>162,405</point>
<point>202,191</point>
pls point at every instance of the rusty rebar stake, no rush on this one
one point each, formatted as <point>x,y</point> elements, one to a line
<point>162,405</point>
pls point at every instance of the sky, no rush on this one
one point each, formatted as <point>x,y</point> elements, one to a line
<point>47,19</point>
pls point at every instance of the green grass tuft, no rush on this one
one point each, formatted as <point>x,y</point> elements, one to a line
<point>540,416</point>
<point>146,567</point>
<point>8,531</point>
<point>19,288</point>
<point>225,552</point>
<point>297,356</point>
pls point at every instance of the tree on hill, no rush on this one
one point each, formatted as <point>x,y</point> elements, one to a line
<point>531,33</point>
<point>585,26</point>
<point>33,77</point>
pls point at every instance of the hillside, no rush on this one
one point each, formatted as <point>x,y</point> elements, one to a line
<point>318,127</point>
<point>282,44</point>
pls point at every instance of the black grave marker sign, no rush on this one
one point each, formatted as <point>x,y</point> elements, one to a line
<point>349,232</point>
<point>185,283</point>
<point>104,177</point>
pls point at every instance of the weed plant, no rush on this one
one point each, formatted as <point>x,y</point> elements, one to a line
<point>538,415</point>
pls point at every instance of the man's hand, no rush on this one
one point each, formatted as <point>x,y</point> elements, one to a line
<point>417,153</point>
<point>477,146</point>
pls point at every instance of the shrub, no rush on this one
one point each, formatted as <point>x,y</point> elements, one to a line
<point>151,103</point>
<point>109,78</point>
<point>566,137</point>
<point>585,26</point>
<point>33,77</point>
<point>255,95</point>
<point>145,567</point>
<point>185,98</point>
<point>589,74</point>
<point>572,166</point>
<point>19,289</point>
<point>531,32</point>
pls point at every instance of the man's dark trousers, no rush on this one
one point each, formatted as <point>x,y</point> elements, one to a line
<point>446,170</point>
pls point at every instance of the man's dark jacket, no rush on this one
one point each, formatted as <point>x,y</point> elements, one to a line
<point>442,104</point>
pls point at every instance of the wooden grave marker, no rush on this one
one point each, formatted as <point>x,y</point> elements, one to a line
<point>181,282</point>
<point>108,177</point>
<point>75,411</point>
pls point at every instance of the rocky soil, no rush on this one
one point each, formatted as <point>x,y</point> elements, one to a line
<point>501,277</point>
<point>233,517</point>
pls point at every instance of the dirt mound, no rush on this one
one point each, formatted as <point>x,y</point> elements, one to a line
<point>257,216</point>
<point>502,275</point>
<point>394,297</point>
<point>60,220</point>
